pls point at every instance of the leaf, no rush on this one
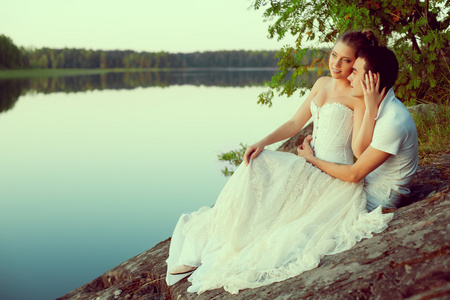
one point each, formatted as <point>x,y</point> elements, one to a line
<point>416,81</point>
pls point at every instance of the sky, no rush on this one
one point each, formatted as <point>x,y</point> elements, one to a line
<point>140,25</point>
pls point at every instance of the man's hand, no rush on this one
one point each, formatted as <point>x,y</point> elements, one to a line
<point>305,150</point>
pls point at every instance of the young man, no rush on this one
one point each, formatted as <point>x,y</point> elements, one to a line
<point>390,161</point>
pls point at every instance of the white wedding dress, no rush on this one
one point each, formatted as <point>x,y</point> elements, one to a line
<point>277,217</point>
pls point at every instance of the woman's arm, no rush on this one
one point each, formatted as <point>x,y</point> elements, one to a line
<point>362,134</point>
<point>288,129</point>
<point>358,117</point>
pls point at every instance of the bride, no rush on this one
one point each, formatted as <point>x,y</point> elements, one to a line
<point>277,216</point>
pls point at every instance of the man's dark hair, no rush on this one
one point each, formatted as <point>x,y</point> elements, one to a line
<point>381,60</point>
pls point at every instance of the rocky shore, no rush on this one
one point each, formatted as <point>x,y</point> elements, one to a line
<point>409,260</point>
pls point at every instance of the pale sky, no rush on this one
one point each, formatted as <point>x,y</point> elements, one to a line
<point>140,25</point>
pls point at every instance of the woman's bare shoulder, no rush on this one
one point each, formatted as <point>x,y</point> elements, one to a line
<point>351,102</point>
<point>320,84</point>
<point>322,81</point>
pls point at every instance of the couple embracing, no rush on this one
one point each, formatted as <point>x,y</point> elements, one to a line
<point>280,213</point>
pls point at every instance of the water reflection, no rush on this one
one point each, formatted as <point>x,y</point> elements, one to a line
<point>11,89</point>
<point>92,179</point>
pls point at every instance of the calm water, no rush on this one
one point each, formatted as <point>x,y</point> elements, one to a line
<point>92,179</point>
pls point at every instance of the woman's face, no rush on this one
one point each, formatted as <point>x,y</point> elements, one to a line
<point>342,58</point>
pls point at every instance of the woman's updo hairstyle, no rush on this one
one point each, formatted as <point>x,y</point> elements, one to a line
<point>359,39</point>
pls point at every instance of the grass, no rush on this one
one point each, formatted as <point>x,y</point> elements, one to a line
<point>433,129</point>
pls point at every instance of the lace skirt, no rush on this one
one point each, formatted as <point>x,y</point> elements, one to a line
<point>273,220</point>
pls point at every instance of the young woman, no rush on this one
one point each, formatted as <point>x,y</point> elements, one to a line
<point>278,215</point>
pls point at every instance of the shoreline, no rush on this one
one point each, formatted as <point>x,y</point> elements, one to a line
<point>44,73</point>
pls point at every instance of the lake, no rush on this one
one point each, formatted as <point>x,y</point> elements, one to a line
<point>94,173</point>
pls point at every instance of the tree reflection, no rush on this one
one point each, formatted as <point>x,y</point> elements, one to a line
<point>131,80</point>
<point>10,90</point>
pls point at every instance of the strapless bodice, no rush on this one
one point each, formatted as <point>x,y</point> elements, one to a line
<point>332,133</point>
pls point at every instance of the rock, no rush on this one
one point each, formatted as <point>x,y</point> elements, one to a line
<point>424,110</point>
<point>291,144</point>
<point>137,278</point>
<point>409,260</point>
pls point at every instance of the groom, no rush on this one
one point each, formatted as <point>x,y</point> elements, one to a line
<point>390,161</point>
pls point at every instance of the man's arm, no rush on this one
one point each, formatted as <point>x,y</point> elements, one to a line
<point>366,163</point>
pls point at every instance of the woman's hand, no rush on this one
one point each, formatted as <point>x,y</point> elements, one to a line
<point>370,86</point>
<point>305,150</point>
<point>253,151</point>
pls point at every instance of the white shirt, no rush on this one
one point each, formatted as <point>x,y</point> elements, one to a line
<point>394,133</point>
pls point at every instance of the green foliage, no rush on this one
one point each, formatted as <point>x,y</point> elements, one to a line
<point>433,129</point>
<point>418,31</point>
<point>234,158</point>
<point>10,54</point>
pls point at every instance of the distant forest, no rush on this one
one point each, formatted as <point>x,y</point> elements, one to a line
<point>87,59</point>
<point>13,57</point>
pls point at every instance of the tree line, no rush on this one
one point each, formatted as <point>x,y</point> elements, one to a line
<point>12,57</point>
<point>81,58</point>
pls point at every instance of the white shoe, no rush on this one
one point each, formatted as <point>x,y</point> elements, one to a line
<point>182,269</point>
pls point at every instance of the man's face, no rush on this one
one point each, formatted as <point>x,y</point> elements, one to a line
<point>357,76</point>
